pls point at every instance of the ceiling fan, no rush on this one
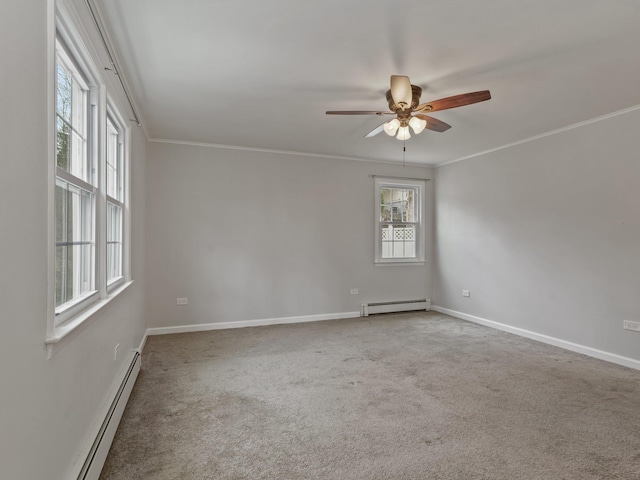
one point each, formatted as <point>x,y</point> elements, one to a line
<point>404,103</point>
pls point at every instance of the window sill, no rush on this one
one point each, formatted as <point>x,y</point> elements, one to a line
<point>397,264</point>
<point>75,307</point>
<point>61,331</point>
<point>114,284</point>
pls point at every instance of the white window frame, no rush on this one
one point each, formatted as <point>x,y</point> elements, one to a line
<point>62,19</point>
<point>123,153</point>
<point>77,65</point>
<point>419,187</point>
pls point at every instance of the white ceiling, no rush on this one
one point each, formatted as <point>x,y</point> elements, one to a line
<point>261,73</point>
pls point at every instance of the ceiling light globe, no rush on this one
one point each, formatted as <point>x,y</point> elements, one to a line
<point>417,124</point>
<point>403,133</point>
<point>391,127</point>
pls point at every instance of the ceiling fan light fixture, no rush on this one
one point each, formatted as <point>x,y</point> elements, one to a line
<point>417,124</point>
<point>401,91</point>
<point>391,127</point>
<point>403,133</point>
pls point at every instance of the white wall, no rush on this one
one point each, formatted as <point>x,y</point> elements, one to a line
<point>47,406</point>
<point>546,235</point>
<point>249,235</point>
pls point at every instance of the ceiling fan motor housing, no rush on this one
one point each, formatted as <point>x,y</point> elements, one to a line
<point>416,92</point>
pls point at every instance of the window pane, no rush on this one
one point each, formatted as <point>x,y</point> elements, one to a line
<point>385,205</point>
<point>114,242</point>
<point>63,139</point>
<point>73,278</point>
<point>113,160</point>
<point>410,211</point>
<point>398,241</point>
<point>72,125</point>
<point>74,242</point>
<point>63,92</point>
<point>397,205</point>
<point>77,164</point>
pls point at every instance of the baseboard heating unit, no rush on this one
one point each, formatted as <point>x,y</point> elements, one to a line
<point>397,306</point>
<point>98,453</point>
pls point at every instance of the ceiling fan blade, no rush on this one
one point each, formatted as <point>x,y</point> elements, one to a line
<point>357,112</point>
<point>433,123</point>
<point>455,101</point>
<point>401,91</point>
<point>375,131</point>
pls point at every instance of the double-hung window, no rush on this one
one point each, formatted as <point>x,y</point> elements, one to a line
<point>90,194</point>
<point>75,187</point>
<point>115,199</point>
<point>399,221</point>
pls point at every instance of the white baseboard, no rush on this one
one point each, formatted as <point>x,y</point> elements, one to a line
<point>201,327</point>
<point>574,347</point>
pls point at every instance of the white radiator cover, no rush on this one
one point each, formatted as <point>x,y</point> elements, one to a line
<point>395,306</point>
<point>98,452</point>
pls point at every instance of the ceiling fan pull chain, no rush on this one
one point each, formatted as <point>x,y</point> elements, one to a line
<point>404,151</point>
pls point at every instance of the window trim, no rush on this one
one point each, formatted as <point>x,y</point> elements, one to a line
<point>75,60</point>
<point>419,186</point>
<point>124,151</point>
<point>62,19</point>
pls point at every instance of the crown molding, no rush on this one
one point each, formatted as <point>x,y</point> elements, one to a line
<point>542,135</point>
<point>285,152</point>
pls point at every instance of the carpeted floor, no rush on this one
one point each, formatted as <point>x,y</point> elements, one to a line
<point>397,397</point>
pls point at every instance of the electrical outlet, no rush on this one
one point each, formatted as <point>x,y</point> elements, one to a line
<point>115,352</point>
<point>629,325</point>
<point>354,291</point>
<point>182,301</point>
<point>466,293</point>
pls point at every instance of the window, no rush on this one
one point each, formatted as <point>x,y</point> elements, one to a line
<point>75,190</point>
<point>115,199</point>
<point>399,222</point>
<point>89,195</point>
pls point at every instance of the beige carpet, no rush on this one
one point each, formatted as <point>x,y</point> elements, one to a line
<point>409,396</point>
